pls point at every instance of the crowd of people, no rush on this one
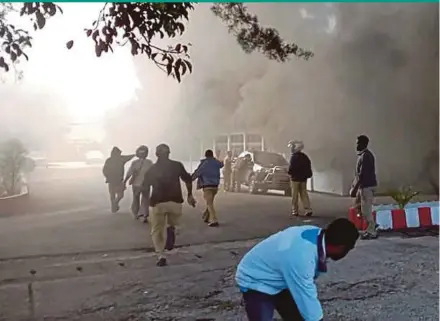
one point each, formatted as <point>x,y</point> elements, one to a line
<point>278,273</point>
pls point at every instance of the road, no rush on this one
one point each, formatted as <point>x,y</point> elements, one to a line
<point>89,264</point>
<point>69,213</point>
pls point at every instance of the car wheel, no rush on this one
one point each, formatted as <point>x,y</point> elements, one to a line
<point>252,185</point>
<point>288,192</point>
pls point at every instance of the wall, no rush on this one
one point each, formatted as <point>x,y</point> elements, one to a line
<point>330,181</point>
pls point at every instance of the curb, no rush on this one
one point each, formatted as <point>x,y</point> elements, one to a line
<point>15,204</point>
<point>391,218</point>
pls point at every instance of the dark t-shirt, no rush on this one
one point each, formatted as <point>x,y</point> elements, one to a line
<point>164,177</point>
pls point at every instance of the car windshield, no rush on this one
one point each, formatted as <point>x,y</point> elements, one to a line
<point>268,159</point>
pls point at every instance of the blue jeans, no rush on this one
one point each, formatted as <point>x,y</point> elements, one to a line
<point>261,306</point>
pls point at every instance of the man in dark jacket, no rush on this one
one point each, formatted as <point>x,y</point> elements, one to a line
<point>208,179</point>
<point>113,171</point>
<point>166,199</point>
<point>300,170</point>
<point>364,185</point>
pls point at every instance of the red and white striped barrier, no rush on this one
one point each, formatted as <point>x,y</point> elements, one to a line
<point>416,215</point>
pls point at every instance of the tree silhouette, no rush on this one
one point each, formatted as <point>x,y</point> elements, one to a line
<point>138,24</point>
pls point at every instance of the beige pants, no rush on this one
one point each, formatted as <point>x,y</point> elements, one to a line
<point>163,215</point>
<point>299,190</point>
<point>209,194</point>
<point>227,179</point>
<point>364,203</point>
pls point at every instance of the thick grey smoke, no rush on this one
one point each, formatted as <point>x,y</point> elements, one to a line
<point>375,72</point>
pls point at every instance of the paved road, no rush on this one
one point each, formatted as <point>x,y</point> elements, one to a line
<point>92,265</point>
<point>69,214</point>
<point>390,279</point>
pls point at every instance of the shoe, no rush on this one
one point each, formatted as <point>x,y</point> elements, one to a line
<point>308,214</point>
<point>294,213</point>
<point>213,224</point>
<point>161,262</point>
<point>369,236</point>
<point>145,220</point>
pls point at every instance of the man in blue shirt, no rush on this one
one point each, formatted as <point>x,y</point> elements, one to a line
<point>208,179</point>
<point>279,272</point>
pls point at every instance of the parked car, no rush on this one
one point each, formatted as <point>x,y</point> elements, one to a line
<point>268,171</point>
<point>94,157</point>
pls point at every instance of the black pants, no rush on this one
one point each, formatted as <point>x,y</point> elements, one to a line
<point>261,307</point>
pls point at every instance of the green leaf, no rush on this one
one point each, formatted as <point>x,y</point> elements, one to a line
<point>188,64</point>
<point>177,74</point>
<point>41,21</point>
<point>69,44</point>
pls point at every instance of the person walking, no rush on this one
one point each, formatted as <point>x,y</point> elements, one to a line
<point>227,171</point>
<point>166,199</point>
<point>208,179</point>
<point>279,272</point>
<point>300,170</point>
<point>113,172</point>
<point>135,177</point>
<point>364,185</point>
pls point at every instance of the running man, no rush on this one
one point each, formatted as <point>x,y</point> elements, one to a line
<point>113,171</point>
<point>135,176</point>
<point>208,179</point>
<point>166,199</point>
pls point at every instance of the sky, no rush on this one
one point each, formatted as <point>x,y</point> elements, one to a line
<point>88,86</point>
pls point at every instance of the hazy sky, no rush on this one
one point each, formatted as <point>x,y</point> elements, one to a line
<point>89,86</point>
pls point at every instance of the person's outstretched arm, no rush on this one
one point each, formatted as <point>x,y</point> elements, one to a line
<point>127,158</point>
<point>187,179</point>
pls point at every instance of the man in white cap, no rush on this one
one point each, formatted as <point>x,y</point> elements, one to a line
<point>300,170</point>
<point>135,177</point>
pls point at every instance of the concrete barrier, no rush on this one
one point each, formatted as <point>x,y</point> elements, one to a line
<point>390,217</point>
<point>15,204</point>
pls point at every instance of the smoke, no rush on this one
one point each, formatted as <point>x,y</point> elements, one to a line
<point>36,118</point>
<point>375,72</point>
